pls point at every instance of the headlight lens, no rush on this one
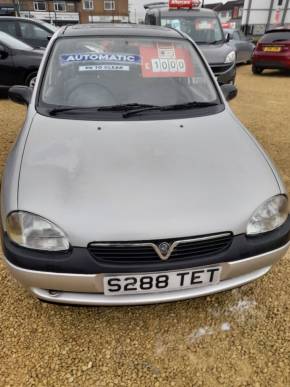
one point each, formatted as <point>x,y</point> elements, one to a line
<point>269,216</point>
<point>231,57</point>
<point>34,232</point>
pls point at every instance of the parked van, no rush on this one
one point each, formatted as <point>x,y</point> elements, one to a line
<point>203,26</point>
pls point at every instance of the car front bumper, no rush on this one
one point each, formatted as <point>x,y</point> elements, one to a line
<point>225,73</point>
<point>87,289</point>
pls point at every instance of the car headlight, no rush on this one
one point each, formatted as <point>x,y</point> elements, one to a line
<point>269,216</point>
<point>34,232</point>
<point>231,57</point>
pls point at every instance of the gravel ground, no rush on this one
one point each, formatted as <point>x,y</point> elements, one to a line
<point>238,338</point>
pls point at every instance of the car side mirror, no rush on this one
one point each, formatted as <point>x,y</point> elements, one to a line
<point>229,91</point>
<point>228,37</point>
<point>3,52</point>
<point>20,94</point>
<point>49,37</point>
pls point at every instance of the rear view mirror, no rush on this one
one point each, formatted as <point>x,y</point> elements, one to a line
<point>20,94</point>
<point>229,91</point>
<point>3,52</point>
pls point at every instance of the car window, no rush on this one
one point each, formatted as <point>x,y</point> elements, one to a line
<point>13,43</point>
<point>90,71</point>
<point>201,29</point>
<point>49,26</point>
<point>243,36</point>
<point>32,31</point>
<point>276,37</point>
<point>236,35</point>
<point>9,27</point>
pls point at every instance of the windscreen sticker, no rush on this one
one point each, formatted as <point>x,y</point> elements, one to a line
<point>166,61</point>
<point>204,25</point>
<point>100,57</point>
<point>105,67</point>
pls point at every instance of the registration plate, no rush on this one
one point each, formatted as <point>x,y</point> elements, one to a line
<point>272,49</point>
<point>161,281</point>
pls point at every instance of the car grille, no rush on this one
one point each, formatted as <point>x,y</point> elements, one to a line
<point>220,68</point>
<point>149,252</point>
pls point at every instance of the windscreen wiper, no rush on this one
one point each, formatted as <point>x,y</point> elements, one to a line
<point>132,108</point>
<point>113,108</point>
<point>216,41</point>
<point>213,42</point>
<point>183,106</point>
<point>124,107</point>
<point>61,109</point>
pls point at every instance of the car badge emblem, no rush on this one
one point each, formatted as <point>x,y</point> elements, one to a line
<point>164,250</point>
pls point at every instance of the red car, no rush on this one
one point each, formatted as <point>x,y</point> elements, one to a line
<point>272,51</point>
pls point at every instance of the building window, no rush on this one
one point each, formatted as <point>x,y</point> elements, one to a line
<point>59,7</point>
<point>109,5</point>
<point>88,4</point>
<point>39,5</point>
<point>280,2</point>
<point>224,13</point>
<point>235,13</point>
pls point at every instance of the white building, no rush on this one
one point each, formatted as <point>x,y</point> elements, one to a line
<point>261,15</point>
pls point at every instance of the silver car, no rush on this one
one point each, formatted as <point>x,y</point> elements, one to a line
<point>241,43</point>
<point>132,182</point>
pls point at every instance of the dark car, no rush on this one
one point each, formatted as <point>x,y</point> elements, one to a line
<point>19,62</point>
<point>243,46</point>
<point>33,32</point>
<point>272,51</point>
<point>203,26</point>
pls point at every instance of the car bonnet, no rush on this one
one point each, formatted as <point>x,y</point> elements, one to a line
<point>141,180</point>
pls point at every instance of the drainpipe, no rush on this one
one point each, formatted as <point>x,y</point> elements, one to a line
<point>270,15</point>
<point>285,12</point>
<point>248,15</point>
<point>16,7</point>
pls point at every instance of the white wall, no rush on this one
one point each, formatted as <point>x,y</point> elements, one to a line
<point>260,11</point>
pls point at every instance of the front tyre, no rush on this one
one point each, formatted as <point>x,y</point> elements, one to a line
<point>30,80</point>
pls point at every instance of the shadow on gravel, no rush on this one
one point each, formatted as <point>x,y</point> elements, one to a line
<point>275,73</point>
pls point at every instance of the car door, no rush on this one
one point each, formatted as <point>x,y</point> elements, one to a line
<point>239,47</point>
<point>33,34</point>
<point>7,70</point>
<point>247,47</point>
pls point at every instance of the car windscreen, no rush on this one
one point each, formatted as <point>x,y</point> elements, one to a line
<point>273,37</point>
<point>203,30</point>
<point>13,43</point>
<point>109,71</point>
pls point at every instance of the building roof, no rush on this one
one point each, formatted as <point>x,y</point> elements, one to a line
<point>119,29</point>
<point>229,5</point>
<point>214,6</point>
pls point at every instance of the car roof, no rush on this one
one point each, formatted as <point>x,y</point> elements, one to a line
<point>107,29</point>
<point>279,29</point>
<point>164,9</point>
<point>43,23</point>
<point>18,18</point>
